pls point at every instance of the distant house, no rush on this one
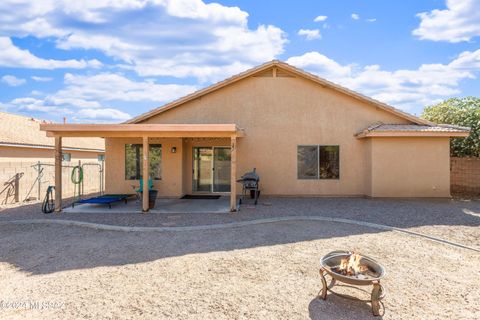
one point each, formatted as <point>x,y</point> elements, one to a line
<point>27,157</point>
<point>306,136</point>
<point>21,140</point>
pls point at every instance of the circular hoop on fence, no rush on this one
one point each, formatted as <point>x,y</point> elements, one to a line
<point>77,178</point>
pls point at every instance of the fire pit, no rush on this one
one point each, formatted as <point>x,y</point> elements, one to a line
<point>353,270</point>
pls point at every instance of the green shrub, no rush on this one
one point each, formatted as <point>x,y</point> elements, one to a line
<point>463,112</point>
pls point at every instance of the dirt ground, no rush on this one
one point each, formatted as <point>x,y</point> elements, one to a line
<point>257,272</point>
<point>456,220</point>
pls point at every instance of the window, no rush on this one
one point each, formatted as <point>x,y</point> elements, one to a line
<point>66,156</point>
<point>307,162</point>
<point>318,162</point>
<point>134,163</point>
<point>329,162</point>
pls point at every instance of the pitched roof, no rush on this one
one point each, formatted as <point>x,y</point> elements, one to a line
<point>413,127</point>
<point>16,130</point>
<point>288,68</point>
<point>413,130</point>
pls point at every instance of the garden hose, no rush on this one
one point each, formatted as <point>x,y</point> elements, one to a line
<point>48,205</point>
<point>77,178</point>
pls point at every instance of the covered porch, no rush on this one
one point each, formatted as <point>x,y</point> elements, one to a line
<point>178,143</point>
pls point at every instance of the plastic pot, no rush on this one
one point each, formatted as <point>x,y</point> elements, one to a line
<point>152,196</point>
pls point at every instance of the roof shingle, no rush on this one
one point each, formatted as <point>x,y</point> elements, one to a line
<point>417,128</point>
<point>25,131</point>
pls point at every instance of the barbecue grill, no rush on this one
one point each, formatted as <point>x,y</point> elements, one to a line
<point>250,183</point>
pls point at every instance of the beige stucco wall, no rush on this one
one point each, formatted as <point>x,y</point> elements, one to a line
<point>8,154</point>
<point>172,172</point>
<point>410,167</point>
<point>278,114</point>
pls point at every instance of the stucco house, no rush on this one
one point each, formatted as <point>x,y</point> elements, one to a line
<point>304,135</point>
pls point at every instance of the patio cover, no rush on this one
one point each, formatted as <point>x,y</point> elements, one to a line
<point>144,131</point>
<point>140,130</point>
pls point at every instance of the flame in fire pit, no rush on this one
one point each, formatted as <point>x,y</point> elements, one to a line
<point>350,266</point>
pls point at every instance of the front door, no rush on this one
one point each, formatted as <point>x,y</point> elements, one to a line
<point>211,169</point>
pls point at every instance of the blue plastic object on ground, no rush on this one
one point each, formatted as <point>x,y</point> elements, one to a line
<point>105,199</point>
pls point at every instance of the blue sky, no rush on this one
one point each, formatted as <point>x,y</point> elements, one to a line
<point>109,60</point>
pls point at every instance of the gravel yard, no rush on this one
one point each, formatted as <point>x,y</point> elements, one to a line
<point>453,220</point>
<point>267,271</point>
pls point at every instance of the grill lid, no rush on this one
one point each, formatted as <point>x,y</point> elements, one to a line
<point>252,175</point>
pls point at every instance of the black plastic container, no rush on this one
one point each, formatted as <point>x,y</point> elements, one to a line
<point>152,196</point>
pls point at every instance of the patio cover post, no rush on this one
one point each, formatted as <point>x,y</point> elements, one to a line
<point>233,174</point>
<point>146,174</point>
<point>58,174</point>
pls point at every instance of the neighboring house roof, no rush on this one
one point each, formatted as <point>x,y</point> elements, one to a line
<point>293,70</point>
<point>391,130</point>
<point>21,131</point>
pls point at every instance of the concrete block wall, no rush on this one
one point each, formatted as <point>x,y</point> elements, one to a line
<point>465,175</point>
<point>18,180</point>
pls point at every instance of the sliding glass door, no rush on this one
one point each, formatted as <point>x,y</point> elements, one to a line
<point>221,169</point>
<point>211,169</point>
<point>202,169</point>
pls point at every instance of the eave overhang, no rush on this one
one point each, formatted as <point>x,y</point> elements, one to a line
<point>143,130</point>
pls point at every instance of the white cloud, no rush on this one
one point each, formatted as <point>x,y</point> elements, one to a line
<point>355,16</point>
<point>151,37</point>
<point>310,34</point>
<point>100,115</point>
<point>320,18</point>
<point>90,97</point>
<point>404,88</point>
<point>460,21</point>
<point>29,104</point>
<point>13,81</point>
<point>467,60</point>
<point>371,20</point>
<point>14,57</point>
<point>115,87</point>
<point>41,79</point>
<point>321,65</point>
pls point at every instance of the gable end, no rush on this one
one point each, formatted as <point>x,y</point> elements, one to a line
<point>277,68</point>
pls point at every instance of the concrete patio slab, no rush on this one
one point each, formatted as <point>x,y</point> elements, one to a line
<point>167,206</point>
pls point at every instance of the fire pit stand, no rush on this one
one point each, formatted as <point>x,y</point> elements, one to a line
<point>377,294</point>
<point>378,291</point>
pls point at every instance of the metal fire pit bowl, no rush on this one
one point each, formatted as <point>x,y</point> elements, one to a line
<point>375,272</point>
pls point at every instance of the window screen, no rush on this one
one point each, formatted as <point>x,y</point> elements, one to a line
<point>307,162</point>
